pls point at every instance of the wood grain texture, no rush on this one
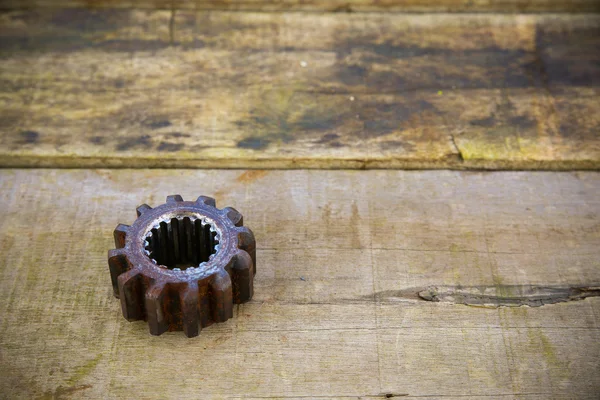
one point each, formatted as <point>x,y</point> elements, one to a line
<point>341,255</point>
<point>326,5</point>
<point>134,88</point>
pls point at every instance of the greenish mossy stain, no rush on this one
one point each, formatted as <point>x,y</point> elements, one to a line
<point>284,115</point>
<point>549,352</point>
<point>84,370</point>
<point>540,343</point>
<point>454,248</point>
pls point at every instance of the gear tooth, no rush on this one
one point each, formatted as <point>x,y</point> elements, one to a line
<point>120,235</point>
<point>242,278</point>
<point>155,309</point>
<point>190,309</point>
<point>247,243</point>
<point>142,209</point>
<point>234,216</point>
<point>209,201</point>
<point>204,304</point>
<point>221,299</point>
<point>131,294</point>
<point>117,264</point>
<point>174,198</point>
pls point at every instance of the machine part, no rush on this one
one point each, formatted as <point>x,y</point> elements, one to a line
<point>182,265</point>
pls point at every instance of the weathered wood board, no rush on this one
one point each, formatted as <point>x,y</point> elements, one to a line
<point>180,88</point>
<point>327,5</point>
<point>342,256</point>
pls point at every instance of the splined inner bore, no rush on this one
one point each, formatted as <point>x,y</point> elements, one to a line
<point>182,243</point>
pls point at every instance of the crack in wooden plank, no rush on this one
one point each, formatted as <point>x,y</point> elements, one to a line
<point>456,148</point>
<point>507,295</point>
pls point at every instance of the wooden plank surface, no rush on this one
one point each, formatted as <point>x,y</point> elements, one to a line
<point>336,314</point>
<point>134,88</point>
<point>327,5</point>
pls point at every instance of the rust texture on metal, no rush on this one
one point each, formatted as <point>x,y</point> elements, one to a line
<point>182,265</point>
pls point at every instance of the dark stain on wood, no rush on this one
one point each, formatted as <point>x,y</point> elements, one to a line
<point>29,137</point>
<point>351,74</point>
<point>312,121</point>
<point>381,118</point>
<point>327,138</point>
<point>64,30</point>
<point>432,68</point>
<point>73,43</point>
<point>97,140</point>
<point>138,142</point>
<point>575,122</point>
<point>570,54</point>
<point>165,146</point>
<point>178,135</point>
<point>286,116</point>
<point>71,30</point>
<point>88,20</point>
<point>570,127</point>
<point>8,119</point>
<point>485,122</point>
<point>131,45</point>
<point>522,121</point>
<point>156,123</point>
<point>253,143</point>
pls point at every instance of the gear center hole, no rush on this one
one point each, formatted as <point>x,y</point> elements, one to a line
<point>182,243</point>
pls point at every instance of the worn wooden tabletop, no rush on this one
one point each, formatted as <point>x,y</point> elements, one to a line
<point>449,283</point>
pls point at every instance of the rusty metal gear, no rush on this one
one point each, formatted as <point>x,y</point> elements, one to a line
<point>182,265</point>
